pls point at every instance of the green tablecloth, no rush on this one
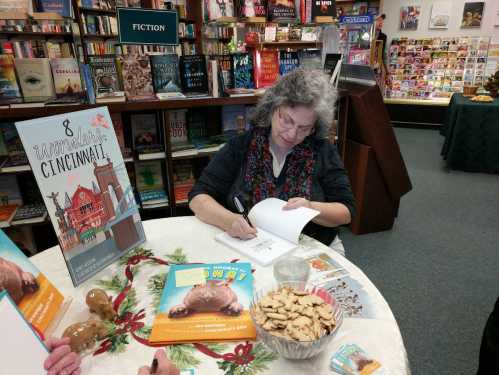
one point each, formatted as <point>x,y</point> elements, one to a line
<point>471,133</point>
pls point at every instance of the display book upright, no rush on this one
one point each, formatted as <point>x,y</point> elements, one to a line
<point>85,187</point>
<point>205,302</point>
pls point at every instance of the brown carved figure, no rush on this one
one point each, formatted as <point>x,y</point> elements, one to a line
<point>210,297</point>
<point>85,334</point>
<point>17,282</point>
<point>99,303</point>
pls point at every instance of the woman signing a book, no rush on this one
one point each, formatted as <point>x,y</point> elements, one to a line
<point>286,155</point>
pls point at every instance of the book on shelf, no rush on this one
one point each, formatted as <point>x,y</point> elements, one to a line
<point>281,11</point>
<point>9,190</point>
<point>282,34</point>
<point>270,33</point>
<point>213,82</point>
<point>36,297</point>
<point>137,77</point>
<point>309,34</point>
<point>146,134</point>
<point>21,338</point>
<point>242,70</point>
<point>183,179</point>
<point>252,10</point>
<point>67,79</point>
<point>218,9</point>
<point>16,160</point>
<point>323,10</point>
<point>182,318</point>
<point>105,78</point>
<point>266,67</point>
<point>278,231</point>
<point>166,78</point>
<point>30,214</point>
<point>93,228</point>
<point>234,120</point>
<point>193,75</point>
<point>15,163</point>
<point>196,128</point>
<point>62,7</point>
<point>120,135</point>
<point>288,61</point>
<point>178,130</point>
<point>7,212</point>
<point>310,59</point>
<point>9,89</point>
<point>35,77</point>
<point>225,68</point>
<point>149,180</point>
<point>87,80</point>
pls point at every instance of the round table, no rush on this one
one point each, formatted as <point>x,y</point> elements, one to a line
<point>186,239</point>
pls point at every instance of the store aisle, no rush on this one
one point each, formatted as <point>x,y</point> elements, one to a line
<point>438,267</point>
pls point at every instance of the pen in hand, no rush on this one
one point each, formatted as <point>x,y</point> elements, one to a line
<point>154,366</point>
<point>242,210</point>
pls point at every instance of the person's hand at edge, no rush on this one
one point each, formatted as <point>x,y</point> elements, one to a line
<point>241,229</point>
<point>165,367</point>
<point>61,361</point>
<point>297,202</point>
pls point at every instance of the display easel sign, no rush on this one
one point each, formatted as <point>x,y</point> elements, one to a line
<point>78,166</point>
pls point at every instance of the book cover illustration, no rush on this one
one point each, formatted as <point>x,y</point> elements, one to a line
<point>266,69</point>
<point>234,120</point>
<point>281,10</point>
<point>36,297</point>
<point>62,7</point>
<point>183,179</point>
<point>67,79</point>
<point>323,8</point>
<point>225,68</point>
<point>440,15</point>
<point>288,61</point>
<point>120,135</point>
<point>178,130</point>
<point>205,302</point>
<point>145,133</point>
<point>35,77</point>
<point>78,166</point>
<point>311,59</point>
<point>216,9</point>
<point>137,77</point>
<point>409,17</point>
<point>9,89</point>
<point>166,78</point>
<point>194,76</point>
<point>105,76</point>
<point>242,70</point>
<point>252,8</point>
<point>351,359</point>
<point>149,180</point>
<point>472,14</point>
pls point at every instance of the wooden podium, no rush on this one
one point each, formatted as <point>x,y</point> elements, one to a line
<point>373,161</point>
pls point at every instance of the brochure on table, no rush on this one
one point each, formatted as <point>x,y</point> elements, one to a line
<point>78,166</point>
<point>278,231</point>
<point>39,301</point>
<point>23,352</point>
<point>205,302</point>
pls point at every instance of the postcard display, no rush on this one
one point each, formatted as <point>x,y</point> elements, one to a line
<point>78,166</point>
<point>436,67</point>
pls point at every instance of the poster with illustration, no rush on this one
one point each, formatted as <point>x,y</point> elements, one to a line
<point>472,14</point>
<point>80,172</point>
<point>440,15</point>
<point>409,17</point>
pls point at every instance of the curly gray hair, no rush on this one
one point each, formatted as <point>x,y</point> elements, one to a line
<point>309,88</point>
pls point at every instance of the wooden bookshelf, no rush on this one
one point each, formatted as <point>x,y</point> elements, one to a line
<point>108,12</point>
<point>36,34</point>
<point>286,44</point>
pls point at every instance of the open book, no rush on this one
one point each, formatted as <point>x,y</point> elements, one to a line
<point>278,231</point>
<point>21,342</point>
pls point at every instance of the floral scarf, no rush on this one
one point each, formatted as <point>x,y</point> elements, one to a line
<point>259,178</point>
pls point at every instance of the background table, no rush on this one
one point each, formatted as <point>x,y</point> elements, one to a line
<point>188,239</point>
<point>471,133</point>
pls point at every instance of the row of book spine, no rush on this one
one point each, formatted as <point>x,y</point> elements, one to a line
<point>99,25</point>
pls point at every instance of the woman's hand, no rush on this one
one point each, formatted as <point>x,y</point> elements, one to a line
<point>297,202</point>
<point>61,361</point>
<point>241,229</point>
<point>165,367</point>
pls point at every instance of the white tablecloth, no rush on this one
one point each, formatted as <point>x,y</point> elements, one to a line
<point>379,337</point>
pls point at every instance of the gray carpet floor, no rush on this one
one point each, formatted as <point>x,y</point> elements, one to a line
<point>438,268</point>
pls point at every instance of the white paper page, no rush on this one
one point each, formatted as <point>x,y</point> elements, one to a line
<point>288,224</point>
<point>22,342</point>
<point>264,249</point>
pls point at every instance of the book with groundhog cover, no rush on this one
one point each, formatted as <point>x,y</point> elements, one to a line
<point>38,300</point>
<point>205,302</point>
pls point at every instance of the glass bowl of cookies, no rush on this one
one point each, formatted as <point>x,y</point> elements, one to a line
<point>297,320</point>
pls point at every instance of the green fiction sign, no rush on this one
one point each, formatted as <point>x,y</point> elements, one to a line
<point>147,26</point>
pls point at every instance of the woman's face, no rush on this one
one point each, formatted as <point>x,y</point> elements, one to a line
<point>291,125</point>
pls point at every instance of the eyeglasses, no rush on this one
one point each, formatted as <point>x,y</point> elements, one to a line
<point>287,123</point>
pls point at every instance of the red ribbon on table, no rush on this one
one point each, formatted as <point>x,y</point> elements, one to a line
<point>241,355</point>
